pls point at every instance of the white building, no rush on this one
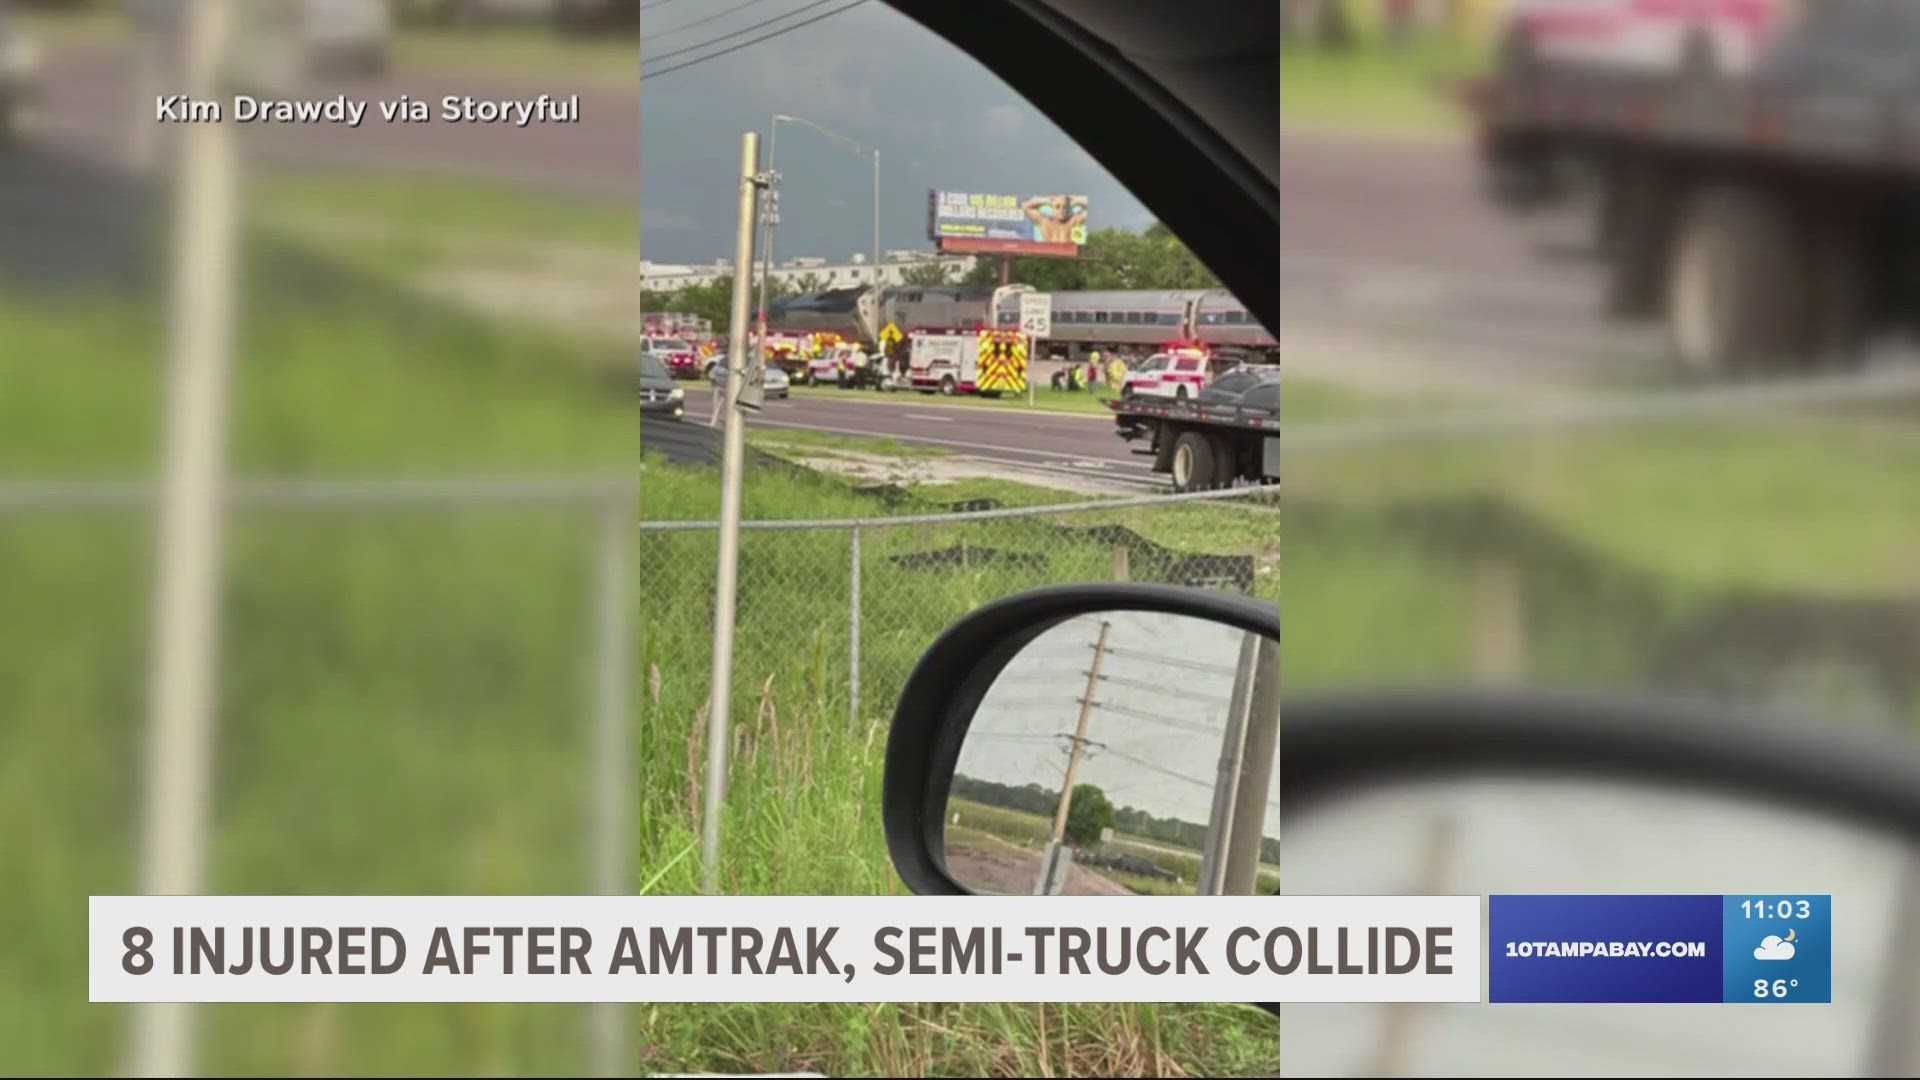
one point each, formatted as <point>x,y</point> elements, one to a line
<point>810,269</point>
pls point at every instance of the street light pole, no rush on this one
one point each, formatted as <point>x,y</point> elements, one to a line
<point>766,236</point>
<point>876,218</point>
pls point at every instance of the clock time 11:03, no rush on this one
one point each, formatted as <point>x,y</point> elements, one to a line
<point>1776,909</point>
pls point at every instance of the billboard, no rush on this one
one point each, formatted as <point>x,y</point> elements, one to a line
<point>967,222</point>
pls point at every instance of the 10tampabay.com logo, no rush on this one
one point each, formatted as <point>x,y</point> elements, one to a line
<point>1660,949</point>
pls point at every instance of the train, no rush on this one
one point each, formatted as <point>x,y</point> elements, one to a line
<point>1082,321</point>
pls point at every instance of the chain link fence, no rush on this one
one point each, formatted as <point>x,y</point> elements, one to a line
<point>1757,544</point>
<point>839,610</point>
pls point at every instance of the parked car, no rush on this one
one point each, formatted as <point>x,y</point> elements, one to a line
<point>19,78</point>
<point>680,358</point>
<point>659,395</point>
<point>773,381</point>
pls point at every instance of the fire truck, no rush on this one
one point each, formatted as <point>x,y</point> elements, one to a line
<point>983,361</point>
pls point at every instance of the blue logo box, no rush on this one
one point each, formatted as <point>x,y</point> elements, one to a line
<point>1660,949</point>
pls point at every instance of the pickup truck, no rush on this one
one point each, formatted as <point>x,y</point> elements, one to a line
<point>1230,432</point>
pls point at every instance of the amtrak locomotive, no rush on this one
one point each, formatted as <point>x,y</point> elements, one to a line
<point>1081,321</point>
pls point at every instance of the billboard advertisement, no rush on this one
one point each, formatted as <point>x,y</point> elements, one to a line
<point>969,222</point>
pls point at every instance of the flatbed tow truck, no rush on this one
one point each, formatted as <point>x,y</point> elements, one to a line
<point>1772,221</point>
<point>1232,433</point>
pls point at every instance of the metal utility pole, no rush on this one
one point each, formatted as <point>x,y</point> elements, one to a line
<point>613,801</point>
<point>1226,784</point>
<point>876,219</point>
<point>186,623</point>
<point>1253,812</point>
<point>770,213</point>
<point>1079,736</point>
<point>732,462</point>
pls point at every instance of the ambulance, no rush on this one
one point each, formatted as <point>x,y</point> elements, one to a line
<point>983,361</point>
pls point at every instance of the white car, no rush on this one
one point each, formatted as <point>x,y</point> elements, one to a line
<point>1178,373</point>
<point>1686,37</point>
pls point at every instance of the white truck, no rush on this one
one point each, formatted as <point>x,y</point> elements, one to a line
<point>942,363</point>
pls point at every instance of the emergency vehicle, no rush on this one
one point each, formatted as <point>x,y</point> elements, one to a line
<point>680,357</point>
<point>983,361</point>
<point>1180,373</point>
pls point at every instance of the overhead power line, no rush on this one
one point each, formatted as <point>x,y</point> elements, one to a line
<point>683,27</point>
<point>685,64</point>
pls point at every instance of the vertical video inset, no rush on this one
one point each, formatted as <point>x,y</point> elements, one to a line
<point>910,350</point>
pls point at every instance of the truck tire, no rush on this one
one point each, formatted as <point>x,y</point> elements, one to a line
<point>948,386</point>
<point>1194,466</point>
<point>1634,225</point>
<point>1163,451</point>
<point>1737,296</point>
<point>1839,286</point>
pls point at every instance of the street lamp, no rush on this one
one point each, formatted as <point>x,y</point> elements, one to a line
<point>766,252</point>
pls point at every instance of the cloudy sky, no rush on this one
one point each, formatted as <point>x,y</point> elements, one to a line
<point>938,119</point>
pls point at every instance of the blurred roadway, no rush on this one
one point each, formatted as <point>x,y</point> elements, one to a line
<point>1395,264</point>
<point>1082,446</point>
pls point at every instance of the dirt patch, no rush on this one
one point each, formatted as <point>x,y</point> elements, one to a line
<point>1011,871</point>
<point>908,472</point>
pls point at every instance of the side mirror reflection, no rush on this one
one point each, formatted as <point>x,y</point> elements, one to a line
<point>1122,753</point>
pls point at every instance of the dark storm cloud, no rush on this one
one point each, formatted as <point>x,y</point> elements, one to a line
<point>938,119</point>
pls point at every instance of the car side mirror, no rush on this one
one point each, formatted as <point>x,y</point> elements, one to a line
<point>1091,739</point>
<point>1515,792</point>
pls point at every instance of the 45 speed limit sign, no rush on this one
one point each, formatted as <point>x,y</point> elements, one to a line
<point>1036,314</point>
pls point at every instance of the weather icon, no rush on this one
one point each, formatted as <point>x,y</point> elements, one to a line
<point>1775,947</point>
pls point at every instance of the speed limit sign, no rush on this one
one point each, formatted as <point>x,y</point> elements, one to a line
<point>1036,314</point>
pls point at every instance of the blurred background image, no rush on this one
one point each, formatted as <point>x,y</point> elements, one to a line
<point>429,446</point>
<point>1601,375</point>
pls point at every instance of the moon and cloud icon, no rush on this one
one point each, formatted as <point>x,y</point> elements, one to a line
<point>1775,947</point>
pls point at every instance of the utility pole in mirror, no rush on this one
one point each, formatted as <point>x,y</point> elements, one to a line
<point>1213,857</point>
<point>1254,810</point>
<point>1055,862</point>
<point>732,464</point>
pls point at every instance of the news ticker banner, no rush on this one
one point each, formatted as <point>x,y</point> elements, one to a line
<point>1660,949</point>
<point>1751,949</point>
<point>784,948</point>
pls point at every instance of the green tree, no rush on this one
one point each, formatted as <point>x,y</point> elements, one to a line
<point>1088,815</point>
<point>809,282</point>
<point>712,301</point>
<point>1112,258</point>
<point>932,273</point>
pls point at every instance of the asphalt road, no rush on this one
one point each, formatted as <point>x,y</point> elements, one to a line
<point>1054,442</point>
<point>1392,244</point>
